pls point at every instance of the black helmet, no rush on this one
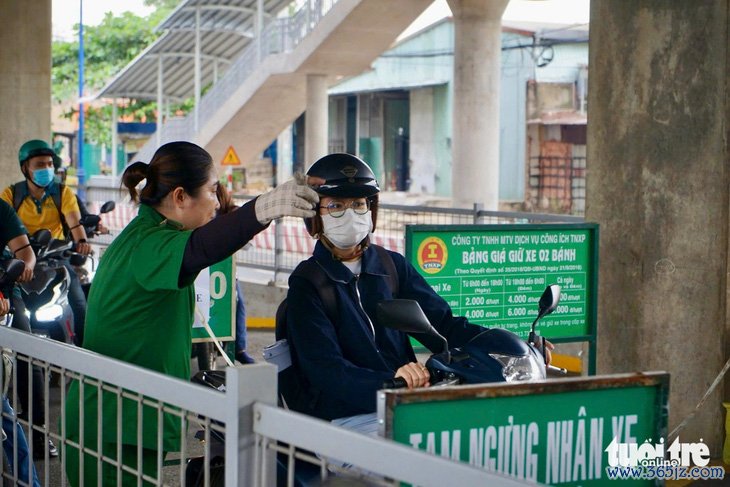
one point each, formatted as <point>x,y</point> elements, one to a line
<point>345,176</point>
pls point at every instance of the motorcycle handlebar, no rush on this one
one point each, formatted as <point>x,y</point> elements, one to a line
<point>400,382</point>
<point>395,383</point>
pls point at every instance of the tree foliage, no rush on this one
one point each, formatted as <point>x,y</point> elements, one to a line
<point>108,47</point>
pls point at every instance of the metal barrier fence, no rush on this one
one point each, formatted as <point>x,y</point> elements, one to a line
<point>243,411</point>
<point>286,242</point>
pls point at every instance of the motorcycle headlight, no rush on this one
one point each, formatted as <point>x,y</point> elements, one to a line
<point>518,369</point>
<point>48,313</point>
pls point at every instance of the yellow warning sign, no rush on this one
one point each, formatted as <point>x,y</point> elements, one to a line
<point>231,158</point>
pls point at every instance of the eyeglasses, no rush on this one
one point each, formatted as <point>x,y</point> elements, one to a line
<point>337,208</point>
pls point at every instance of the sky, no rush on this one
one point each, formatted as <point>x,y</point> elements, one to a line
<point>66,13</point>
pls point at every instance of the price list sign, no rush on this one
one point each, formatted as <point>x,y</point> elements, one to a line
<point>494,275</point>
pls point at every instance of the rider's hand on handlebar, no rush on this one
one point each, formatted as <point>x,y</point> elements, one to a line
<point>27,274</point>
<point>101,229</point>
<point>4,306</point>
<point>83,248</point>
<point>415,374</point>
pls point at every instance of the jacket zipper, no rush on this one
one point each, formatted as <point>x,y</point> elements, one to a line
<point>359,302</point>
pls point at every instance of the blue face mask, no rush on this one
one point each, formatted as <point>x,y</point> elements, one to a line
<point>43,177</point>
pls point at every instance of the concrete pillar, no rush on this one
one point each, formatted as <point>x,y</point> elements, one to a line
<point>475,139</point>
<point>315,119</point>
<point>658,185</point>
<point>25,80</point>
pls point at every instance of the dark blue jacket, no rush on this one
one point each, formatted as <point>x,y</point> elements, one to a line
<point>343,362</point>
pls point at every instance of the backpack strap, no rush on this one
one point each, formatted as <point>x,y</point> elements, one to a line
<point>20,191</point>
<point>313,272</point>
<point>390,269</point>
<point>57,200</point>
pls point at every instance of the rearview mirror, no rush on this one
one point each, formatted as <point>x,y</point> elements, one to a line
<point>407,316</point>
<point>107,207</point>
<point>549,300</point>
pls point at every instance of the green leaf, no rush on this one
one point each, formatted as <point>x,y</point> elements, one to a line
<point>108,47</point>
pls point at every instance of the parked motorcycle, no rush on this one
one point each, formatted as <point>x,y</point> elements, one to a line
<point>495,355</point>
<point>46,295</point>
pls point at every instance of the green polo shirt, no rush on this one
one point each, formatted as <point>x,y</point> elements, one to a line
<point>10,224</point>
<point>10,228</point>
<point>137,313</point>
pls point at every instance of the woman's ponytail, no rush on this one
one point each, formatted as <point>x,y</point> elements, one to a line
<point>133,175</point>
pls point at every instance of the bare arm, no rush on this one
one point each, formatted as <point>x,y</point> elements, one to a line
<point>20,246</point>
<point>73,219</point>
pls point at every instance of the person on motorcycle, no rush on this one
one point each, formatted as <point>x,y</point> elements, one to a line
<point>42,203</point>
<point>142,301</point>
<point>345,356</point>
<point>13,235</point>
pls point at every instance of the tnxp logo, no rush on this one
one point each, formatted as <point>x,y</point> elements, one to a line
<point>432,255</point>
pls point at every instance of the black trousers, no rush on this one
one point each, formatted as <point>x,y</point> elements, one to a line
<point>25,382</point>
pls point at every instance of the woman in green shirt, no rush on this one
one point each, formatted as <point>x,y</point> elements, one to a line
<point>141,305</point>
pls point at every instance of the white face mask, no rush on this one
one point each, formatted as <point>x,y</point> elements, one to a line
<point>348,230</point>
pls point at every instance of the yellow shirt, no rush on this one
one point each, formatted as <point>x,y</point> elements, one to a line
<point>37,215</point>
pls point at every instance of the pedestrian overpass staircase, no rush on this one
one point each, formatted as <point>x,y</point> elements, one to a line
<point>264,89</point>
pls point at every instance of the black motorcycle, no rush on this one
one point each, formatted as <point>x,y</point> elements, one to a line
<point>495,355</point>
<point>46,295</point>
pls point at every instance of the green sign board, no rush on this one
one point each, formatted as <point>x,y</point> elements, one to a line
<point>215,292</point>
<point>553,432</point>
<point>494,274</point>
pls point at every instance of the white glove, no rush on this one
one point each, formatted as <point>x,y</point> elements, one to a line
<point>293,198</point>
